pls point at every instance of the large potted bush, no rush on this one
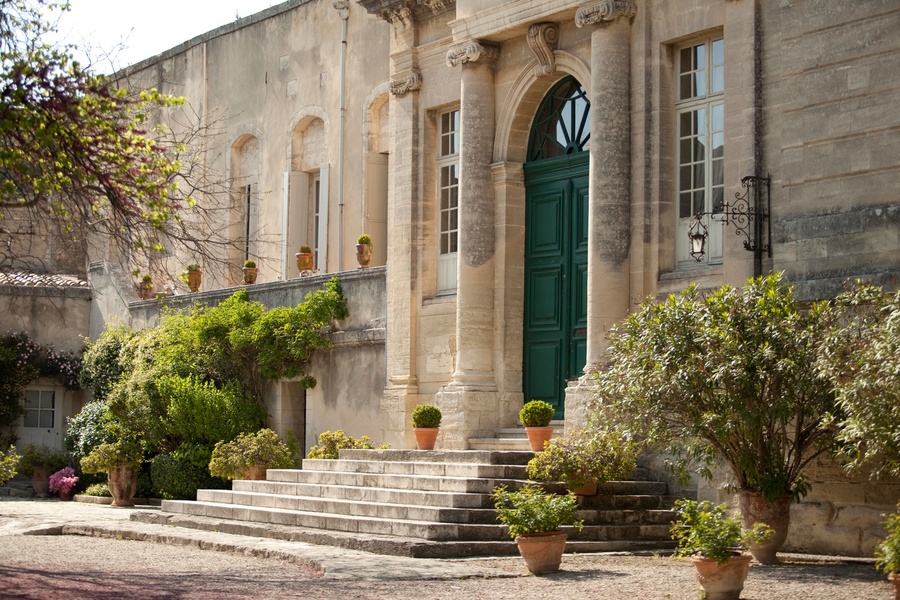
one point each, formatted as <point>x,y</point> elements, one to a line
<point>121,461</point>
<point>426,420</point>
<point>726,377</point>
<point>887,552</point>
<point>251,454</point>
<point>38,462</point>
<point>364,250</point>
<point>534,518</point>
<point>536,416</point>
<point>305,260</point>
<point>583,459</point>
<point>715,541</point>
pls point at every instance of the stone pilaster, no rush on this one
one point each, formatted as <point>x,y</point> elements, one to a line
<point>609,236</point>
<point>470,398</point>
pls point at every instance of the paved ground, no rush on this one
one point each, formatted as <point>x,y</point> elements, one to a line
<point>45,552</point>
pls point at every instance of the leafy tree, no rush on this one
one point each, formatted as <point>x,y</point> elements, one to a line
<point>726,377</point>
<point>862,359</point>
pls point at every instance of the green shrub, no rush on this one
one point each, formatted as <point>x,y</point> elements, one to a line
<point>105,457</point>
<point>888,551</point>
<point>87,430</point>
<point>304,249</point>
<point>42,458</point>
<point>201,413</point>
<point>532,510</point>
<point>330,442</point>
<point>703,529</point>
<point>249,264</point>
<point>98,489</point>
<point>582,457</point>
<point>426,415</point>
<point>230,459</point>
<point>536,413</point>
<point>175,479</point>
<point>9,460</point>
<point>364,239</point>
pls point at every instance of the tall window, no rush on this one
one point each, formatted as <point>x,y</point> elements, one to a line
<point>448,200</point>
<point>318,234</point>
<point>700,148</point>
<point>40,407</point>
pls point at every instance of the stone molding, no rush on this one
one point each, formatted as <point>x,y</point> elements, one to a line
<point>404,12</point>
<point>471,51</point>
<point>404,85</point>
<point>543,39</point>
<point>605,10</point>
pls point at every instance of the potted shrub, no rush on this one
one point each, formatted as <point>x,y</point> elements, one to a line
<point>583,459</point>
<point>63,483</point>
<point>194,277</point>
<point>121,461</point>
<point>536,416</point>
<point>38,462</point>
<point>330,444</point>
<point>426,420</point>
<point>251,454</point>
<point>305,259</point>
<point>727,377</point>
<point>888,551</point>
<point>534,517</point>
<point>146,287</point>
<point>364,250</point>
<point>250,272</point>
<point>715,541</point>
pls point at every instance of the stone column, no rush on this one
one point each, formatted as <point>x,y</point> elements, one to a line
<point>609,236</point>
<point>469,400</point>
<point>402,287</point>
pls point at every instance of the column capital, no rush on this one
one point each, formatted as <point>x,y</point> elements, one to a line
<point>471,51</point>
<point>542,39</point>
<point>605,10</point>
<point>400,86</point>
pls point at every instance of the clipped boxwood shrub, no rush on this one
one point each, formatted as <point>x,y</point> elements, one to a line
<point>175,479</point>
<point>536,413</point>
<point>426,415</point>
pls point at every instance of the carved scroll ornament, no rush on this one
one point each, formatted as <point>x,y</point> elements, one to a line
<point>542,39</point>
<point>471,51</point>
<point>405,85</point>
<point>605,10</point>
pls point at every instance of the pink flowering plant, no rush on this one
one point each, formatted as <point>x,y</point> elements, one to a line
<point>63,481</point>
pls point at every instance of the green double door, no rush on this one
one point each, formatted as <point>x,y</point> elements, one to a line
<point>556,244</point>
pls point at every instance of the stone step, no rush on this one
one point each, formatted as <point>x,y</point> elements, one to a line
<point>478,457</point>
<point>629,502</point>
<point>354,508</point>
<point>388,544</point>
<point>425,483</point>
<point>393,467</point>
<point>368,493</point>
<point>499,444</point>
<point>630,517</point>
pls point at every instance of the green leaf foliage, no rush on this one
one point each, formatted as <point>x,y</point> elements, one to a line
<point>536,413</point>
<point>707,530</point>
<point>104,364</point>
<point>36,457</point>
<point>87,430</point>
<point>532,510</point>
<point>887,552</point>
<point>330,443</point>
<point>177,478</point>
<point>582,457</point>
<point>262,448</point>
<point>730,376</point>
<point>9,462</point>
<point>426,415</point>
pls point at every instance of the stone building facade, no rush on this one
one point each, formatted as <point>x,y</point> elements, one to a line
<point>530,170</point>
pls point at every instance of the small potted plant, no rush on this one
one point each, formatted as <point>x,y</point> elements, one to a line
<point>583,460</point>
<point>364,250</point>
<point>121,461</point>
<point>63,483</point>
<point>251,454</point>
<point>887,552</point>
<point>305,259</point>
<point>534,517</point>
<point>250,272</point>
<point>193,277</point>
<point>716,544</point>
<point>426,420</point>
<point>38,462</point>
<point>146,287</point>
<point>536,416</point>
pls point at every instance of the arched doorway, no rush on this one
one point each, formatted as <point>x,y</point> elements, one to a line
<point>556,243</point>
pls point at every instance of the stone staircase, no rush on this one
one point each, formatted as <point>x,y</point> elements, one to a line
<point>414,503</point>
<point>511,438</point>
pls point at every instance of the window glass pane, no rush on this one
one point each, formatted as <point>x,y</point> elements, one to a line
<point>684,61</point>
<point>718,117</point>
<point>453,242</point>
<point>718,149</point>
<point>718,52</point>
<point>699,201</point>
<point>47,399</point>
<point>718,172</point>
<point>31,399</point>
<point>717,197</point>
<point>700,121</point>
<point>684,178</point>
<point>47,419</point>
<point>699,84</point>
<point>699,57</point>
<point>700,148</point>
<point>685,128</point>
<point>31,418</point>
<point>685,150</point>
<point>684,205</point>
<point>717,86</point>
<point>699,176</point>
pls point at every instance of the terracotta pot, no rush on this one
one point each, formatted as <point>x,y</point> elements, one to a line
<point>364,255</point>
<point>895,579</point>
<point>146,290</point>
<point>537,436</point>
<point>426,437</point>
<point>195,278</point>
<point>254,473</point>
<point>304,261</point>
<point>67,497</point>
<point>542,551</point>
<point>725,581</point>
<point>588,489</point>
<point>40,481</point>
<point>122,481</point>
<point>777,515</point>
<point>250,275</point>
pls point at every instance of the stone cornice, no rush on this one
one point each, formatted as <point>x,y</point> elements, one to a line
<point>471,51</point>
<point>542,39</point>
<point>404,85</point>
<point>404,12</point>
<point>605,10</point>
